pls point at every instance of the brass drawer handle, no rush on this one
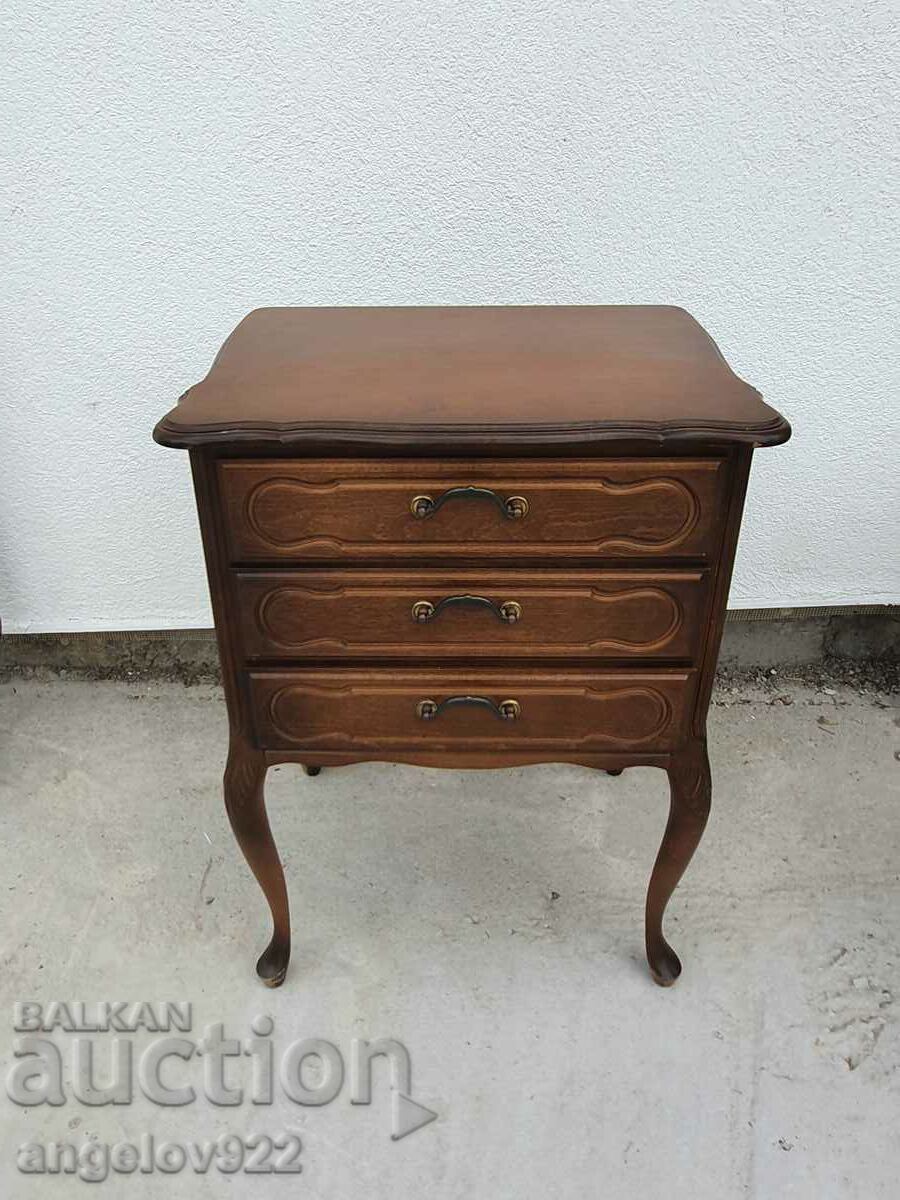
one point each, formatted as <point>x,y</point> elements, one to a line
<point>513,507</point>
<point>506,710</point>
<point>509,611</point>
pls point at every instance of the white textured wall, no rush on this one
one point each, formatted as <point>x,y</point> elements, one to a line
<point>168,166</point>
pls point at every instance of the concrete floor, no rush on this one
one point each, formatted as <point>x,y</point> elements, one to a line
<point>491,921</point>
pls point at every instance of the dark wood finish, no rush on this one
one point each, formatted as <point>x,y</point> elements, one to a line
<point>375,710</point>
<point>472,760</point>
<point>382,377</point>
<point>244,802</point>
<point>581,472</point>
<point>319,510</point>
<point>691,791</point>
<point>341,614</point>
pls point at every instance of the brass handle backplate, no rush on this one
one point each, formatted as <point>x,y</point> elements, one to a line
<point>506,710</point>
<point>510,611</point>
<point>513,507</point>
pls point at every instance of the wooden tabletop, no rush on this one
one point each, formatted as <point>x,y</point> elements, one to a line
<point>465,377</point>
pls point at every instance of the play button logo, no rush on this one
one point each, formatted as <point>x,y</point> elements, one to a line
<point>407,1115</point>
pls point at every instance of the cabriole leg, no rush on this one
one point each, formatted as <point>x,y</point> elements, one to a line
<point>690,786</point>
<point>245,775</point>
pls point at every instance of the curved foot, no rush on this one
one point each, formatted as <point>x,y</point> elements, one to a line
<point>614,770</point>
<point>312,771</point>
<point>665,965</point>
<point>245,803</point>
<point>272,964</point>
<point>691,788</point>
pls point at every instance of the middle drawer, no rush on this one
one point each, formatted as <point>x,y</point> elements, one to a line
<point>337,614</point>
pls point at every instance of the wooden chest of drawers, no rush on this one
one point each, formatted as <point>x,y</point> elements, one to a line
<point>470,538</point>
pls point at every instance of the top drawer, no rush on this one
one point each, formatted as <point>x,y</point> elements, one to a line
<point>342,510</point>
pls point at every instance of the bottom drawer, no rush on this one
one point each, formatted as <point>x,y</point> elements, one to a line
<point>384,710</point>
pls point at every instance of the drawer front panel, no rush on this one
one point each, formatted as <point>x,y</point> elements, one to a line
<point>477,711</point>
<point>352,510</point>
<point>454,614</point>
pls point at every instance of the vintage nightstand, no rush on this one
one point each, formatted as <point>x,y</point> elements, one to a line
<point>470,537</point>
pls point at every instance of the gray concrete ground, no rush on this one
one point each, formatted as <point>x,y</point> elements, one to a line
<point>491,921</point>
